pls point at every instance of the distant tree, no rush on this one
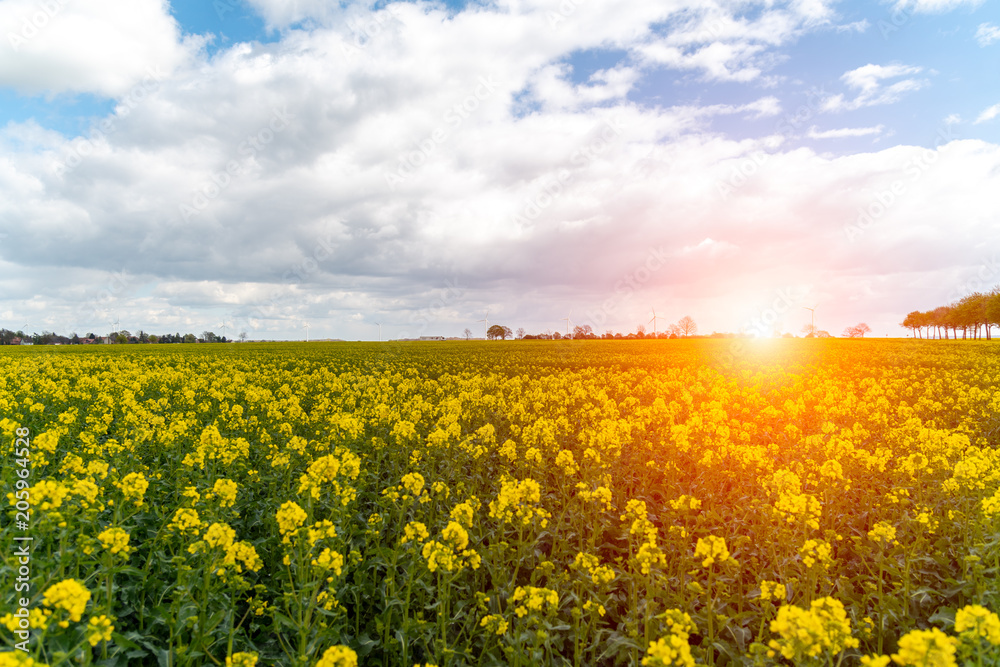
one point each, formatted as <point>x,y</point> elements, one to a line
<point>74,339</point>
<point>467,333</point>
<point>823,334</point>
<point>993,308</point>
<point>585,331</point>
<point>143,336</point>
<point>687,326</point>
<point>912,322</point>
<point>809,330</point>
<point>153,338</point>
<point>209,337</point>
<point>556,335</point>
<point>640,331</point>
<point>494,332</point>
<point>190,338</point>
<point>243,336</point>
<point>520,333</point>
<point>857,331</point>
<point>121,339</point>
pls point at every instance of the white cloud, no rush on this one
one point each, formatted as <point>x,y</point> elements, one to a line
<point>856,26</point>
<point>986,34</point>
<point>713,39</point>
<point>934,6</point>
<point>868,82</point>
<point>98,46</point>
<point>988,114</point>
<point>844,132</point>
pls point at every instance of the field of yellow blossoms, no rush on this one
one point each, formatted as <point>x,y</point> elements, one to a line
<point>795,502</point>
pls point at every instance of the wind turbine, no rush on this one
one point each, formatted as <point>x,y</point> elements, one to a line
<point>223,325</point>
<point>812,324</point>
<point>379,325</point>
<point>567,322</point>
<point>306,326</point>
<point>487,321</point>
<point>653,320</point>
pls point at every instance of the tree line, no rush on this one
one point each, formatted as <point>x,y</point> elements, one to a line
<point>686,326</point>
<point>975,315</point>
<point>123,337</point>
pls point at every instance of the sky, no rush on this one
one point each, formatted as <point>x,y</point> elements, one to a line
<point>308,169</point>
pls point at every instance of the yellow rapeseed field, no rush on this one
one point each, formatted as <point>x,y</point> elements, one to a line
<point>793,502</point>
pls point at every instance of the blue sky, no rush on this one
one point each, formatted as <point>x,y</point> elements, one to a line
<point>269,163</point>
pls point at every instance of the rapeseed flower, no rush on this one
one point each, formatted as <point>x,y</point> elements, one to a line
<point>926,648</point>
<point>116,540</point>
<point>99,630</point>
<point>713,549</point>
<point>69,595</point>
<point>338,656</point>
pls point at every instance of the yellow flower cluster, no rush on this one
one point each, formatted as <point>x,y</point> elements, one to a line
<point>242,660</point>
<point>133,487</point>
<point>976,622</point>
<point>529,599</point>
<point>463,513</point>
<point>414,531</point>
<point>518,502</point>
<point>326,469</point>
<point>601,495</point>
<point>338,656</point>
<point>99,629</point>
<point>290,518</point>
<point>685,502</point>
<point>330,560</point>
<point>566,462</point>
<point>601,575</point>
<point>674,650</point>
<point>798,508</point>
<point>69,595</point>
<point>116,540</point>
<point>670,651</point>
<point>883,533</point>
<point>225,490</point>
<point>322,530</point>
<point>185,521</point>
<point>808,633</point>
<point>926,648</point>
<point>816,552</point>
<point>712,549</point>
<point>494,623</point>
<point>991,505</point>
<point>772,590</point>
<point>451,554</point>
